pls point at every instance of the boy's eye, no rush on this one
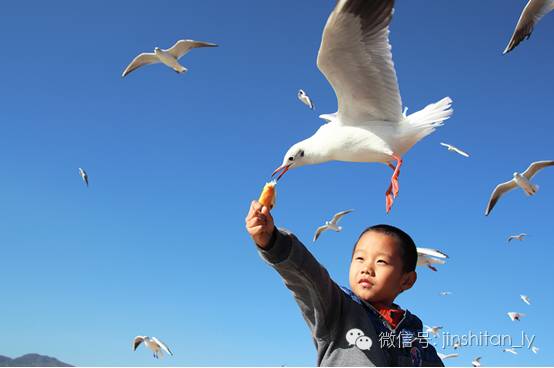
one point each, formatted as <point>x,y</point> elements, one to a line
<point>382,261</point>
<point>359,258</point>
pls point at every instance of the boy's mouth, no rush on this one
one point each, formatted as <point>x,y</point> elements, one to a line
<point>365,283</point>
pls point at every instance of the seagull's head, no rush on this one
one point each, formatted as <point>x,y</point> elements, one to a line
<point>295,156</point>
<point>301,92</point>
<point>157,49</point>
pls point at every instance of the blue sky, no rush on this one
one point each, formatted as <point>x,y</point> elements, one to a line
<point>156,245</point>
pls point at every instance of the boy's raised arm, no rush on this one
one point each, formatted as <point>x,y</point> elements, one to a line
<point>318,296</point>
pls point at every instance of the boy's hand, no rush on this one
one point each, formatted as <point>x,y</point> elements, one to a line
<point>259,224</point>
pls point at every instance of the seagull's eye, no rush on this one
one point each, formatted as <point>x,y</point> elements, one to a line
<point>301,153</point>
<point>291,158</point>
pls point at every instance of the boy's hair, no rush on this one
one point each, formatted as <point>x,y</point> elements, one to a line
<point>404,241</point>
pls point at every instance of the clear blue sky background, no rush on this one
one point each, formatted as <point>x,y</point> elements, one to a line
<point>157,246</point>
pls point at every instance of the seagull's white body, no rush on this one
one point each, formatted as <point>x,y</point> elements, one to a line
<point>431,252</point>
<point>305,99</point>
<point>517,237</point>
<point>423,260</point>
<point>84,176</point>
<point>331,225</point>
<point>455,149</point>
<point>169,57</point>
<point>154,344</point>
<point>534,349</point>
<point>433,330</point>
<point>445,293</point>
<point>530,16</point>
<point>369,126</point>
<point>519,180</point>
<point>476,362</point>
<point>516,316</point>
<point>510,350</point>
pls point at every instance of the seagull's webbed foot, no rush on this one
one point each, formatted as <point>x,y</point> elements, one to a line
<point>389,198</point>
<point>395,174</point>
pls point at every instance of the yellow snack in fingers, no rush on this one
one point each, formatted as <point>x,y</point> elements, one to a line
<point>267,198</point>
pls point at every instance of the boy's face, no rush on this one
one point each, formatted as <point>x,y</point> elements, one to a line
<point>376,271</point>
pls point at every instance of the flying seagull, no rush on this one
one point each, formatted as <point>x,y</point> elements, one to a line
<point>517,237</point>
<point>433,330</point>
<point>448,356</point>
<point>84,175</point>
<point>153,343</point>
<point>525,299</point>
<point>515,316</point>
<point>521,180</point>
<point>305,99</point>
<point>535,349</point>
<point>355,57</point>
<point>509,350</point>
<point>428,257</point>
<point>445,293</point>
<point>532,13</point>
<point>331,225</point>
<point>169,57</point>
<point>455,149</point>
<point>476,362</point>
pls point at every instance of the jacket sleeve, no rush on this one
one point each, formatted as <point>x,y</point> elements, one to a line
<point>318,296</point>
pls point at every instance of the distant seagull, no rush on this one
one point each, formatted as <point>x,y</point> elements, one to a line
<point>84,175</point>
<point>433,330</point>
<point>456,345</point>
<point>355,57</point>
<point>476,362</point>
<point>535,349</point>
<point>455,149</point>
<point>306,100</point>
<point>428,257</point>
<point>510,350</point>
<point>517,237</point>
<point>445,293</point>
<point>516,316</point>
<point>533,12</point>
<point>525,299</point>
<point>521,180</point>
<point>331,225</point>
<point>168,57</point>
<point>153,343</point>
<point>448,356</point>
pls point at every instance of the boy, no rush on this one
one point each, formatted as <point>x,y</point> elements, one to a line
<point>357,327</point>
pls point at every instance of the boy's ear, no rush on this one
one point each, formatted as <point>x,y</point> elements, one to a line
<point>408,280</point>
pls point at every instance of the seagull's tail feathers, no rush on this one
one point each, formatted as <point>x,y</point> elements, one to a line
<point>424,122</point>
<point>534,190</point>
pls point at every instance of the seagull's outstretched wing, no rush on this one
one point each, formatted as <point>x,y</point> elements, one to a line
<point>162,345</point>
<point>339,215</point>
<point>355,57</point>
<point>533,12</point>
<point>319,231</point>
<point>536,167</point>
<point>143,59</point>
<point>497,193</point>
<point>137,341</point>
<point>431,252</point>
<point>448,356</point>
<point>182,47</point>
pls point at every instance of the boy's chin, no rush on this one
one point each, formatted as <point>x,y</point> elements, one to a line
<point>364,293</point>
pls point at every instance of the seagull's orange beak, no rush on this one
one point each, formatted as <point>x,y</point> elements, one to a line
<point>283,168</point>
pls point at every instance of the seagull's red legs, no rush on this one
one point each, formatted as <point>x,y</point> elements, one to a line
<point>392,191</point>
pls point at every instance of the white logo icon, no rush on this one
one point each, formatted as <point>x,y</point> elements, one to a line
<point>356,337</point>
<point>364,343</point>
<point>352,335</point>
